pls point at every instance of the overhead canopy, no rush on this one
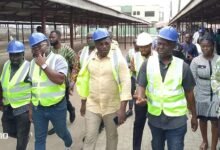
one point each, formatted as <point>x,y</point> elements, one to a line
<point>60,11</point>
<point>199,11</point>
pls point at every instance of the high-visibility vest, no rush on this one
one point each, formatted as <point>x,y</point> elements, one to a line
<point>82,83</point>
<point>138,60</point>
<point>44,91</point>
<point>131,53</point>
<point>16,92</point>
<point>84,55</point>
<point>167,96</point>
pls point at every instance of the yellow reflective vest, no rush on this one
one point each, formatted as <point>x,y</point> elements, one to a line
<point>168,95</point>
<point>44,91</point>
<point>16,92</point>
<point>138,60</point>
<point>84,55</point>
<point>82,83</point>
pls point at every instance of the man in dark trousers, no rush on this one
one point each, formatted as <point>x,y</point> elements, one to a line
<point>69,54</point>
<point>144,43</point>
<point>166,84</point>
<point>16,95</point>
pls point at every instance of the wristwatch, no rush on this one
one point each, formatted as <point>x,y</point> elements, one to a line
<point>44,66</point>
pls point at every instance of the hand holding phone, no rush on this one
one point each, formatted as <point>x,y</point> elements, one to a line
<point>116,118</point>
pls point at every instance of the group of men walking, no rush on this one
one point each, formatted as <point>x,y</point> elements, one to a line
<point>159,84</point>
<point>38,91</point>
<point>164,91</point>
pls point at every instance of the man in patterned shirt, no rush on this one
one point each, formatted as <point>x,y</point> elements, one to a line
<point>69,54</point>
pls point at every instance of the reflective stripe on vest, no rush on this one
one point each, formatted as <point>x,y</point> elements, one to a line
<point>168,95</point>
<point>84,55</point>
<point>44,91</point>
<point>16,92</point>
<point>82,84</point>
<point>115,69</point>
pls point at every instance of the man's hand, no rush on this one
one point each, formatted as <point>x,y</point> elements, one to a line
<point>191,106</point>
<point>40,60</point>
<point>121,117</point>
<point>194,123</point>
<point>83,108</point>
<point>121,112</point>
<point>139,100</point>
<point>132,68</point>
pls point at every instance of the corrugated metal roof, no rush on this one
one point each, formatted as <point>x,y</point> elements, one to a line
<point>59,11</point>
<point>199,11</point>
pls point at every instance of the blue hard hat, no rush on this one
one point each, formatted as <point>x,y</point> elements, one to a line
<point>100,33</point>
<point>36,38</point>
<point>15,47</point>
<point>169,33</point>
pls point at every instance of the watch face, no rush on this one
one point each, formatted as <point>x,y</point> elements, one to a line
<point>44,66</point>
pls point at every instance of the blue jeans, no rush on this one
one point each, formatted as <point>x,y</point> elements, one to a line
<point>174,137</point>
<point>57,115</point>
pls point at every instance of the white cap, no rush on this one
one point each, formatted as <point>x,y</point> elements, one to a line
<point>144,39</point>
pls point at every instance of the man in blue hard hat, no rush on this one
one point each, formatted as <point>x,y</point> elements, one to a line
<point>47,74</point>
<point>16,95</point>
<point>168,84</point>
<point>104,87</point>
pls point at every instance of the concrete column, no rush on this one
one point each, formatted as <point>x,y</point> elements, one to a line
<point>71,27</point>
<point>43,16</point>
<point>8,32</point>
<point>22,31</point>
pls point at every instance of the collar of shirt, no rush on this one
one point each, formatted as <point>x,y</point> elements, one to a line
<point>165,66</point>
<point>108,56</point>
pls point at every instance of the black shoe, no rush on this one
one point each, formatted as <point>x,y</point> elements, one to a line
<point>101,127</point>
<point>72,115</point>
<point>129,113</point>
<point>51,131</point>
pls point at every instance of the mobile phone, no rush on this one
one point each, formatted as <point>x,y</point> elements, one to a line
<point>116,120</point>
